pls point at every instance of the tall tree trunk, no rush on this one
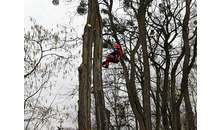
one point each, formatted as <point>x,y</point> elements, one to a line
<point>84,121</point>
<point>176,124</point>
<point>187,68</point>
<point>165,87</point>
<point>146,87</point>
<point>134,96</point>
<point>158,113</point>
<point>102,114</point>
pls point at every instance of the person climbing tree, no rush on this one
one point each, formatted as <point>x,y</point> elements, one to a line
<point>113,57</point>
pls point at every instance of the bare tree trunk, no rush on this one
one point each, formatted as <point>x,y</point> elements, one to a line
<point>158,113</point>
<point>165,87</point>
<point>187,67</point>
<point>146,87</point>
<point>102,114</point>
<point>176,124</point>
<point>84,121</point>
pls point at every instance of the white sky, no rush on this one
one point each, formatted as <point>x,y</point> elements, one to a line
<point>44,12</point>
<point>48,15</point>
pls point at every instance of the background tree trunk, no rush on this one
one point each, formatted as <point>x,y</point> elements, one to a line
<point>187,67</point>
<point>146,86</point>
<point>176,123</point>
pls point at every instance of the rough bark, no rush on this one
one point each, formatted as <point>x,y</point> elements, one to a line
<point>158,113</point>
<point>176,124</point>
<point>187,67</point>
<point>166,87</point>
<point>146,87</point>
<point>84,121</point>
<point>102,114</point>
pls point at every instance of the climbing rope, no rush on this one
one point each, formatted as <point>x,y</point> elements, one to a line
<point>117,89</point>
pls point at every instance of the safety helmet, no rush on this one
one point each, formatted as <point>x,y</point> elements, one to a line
<point>117,46</point>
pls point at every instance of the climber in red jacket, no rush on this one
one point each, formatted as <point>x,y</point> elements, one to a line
<point>113,57</point>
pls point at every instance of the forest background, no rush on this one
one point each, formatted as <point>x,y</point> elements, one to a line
<point>53,52</point>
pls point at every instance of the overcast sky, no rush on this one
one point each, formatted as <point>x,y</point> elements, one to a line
<point>48,15</point>
<point>44,12</point>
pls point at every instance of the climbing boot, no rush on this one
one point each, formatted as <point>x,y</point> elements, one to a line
<point>105,66</point>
